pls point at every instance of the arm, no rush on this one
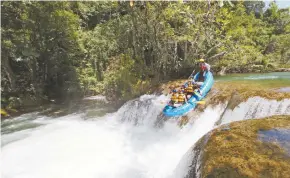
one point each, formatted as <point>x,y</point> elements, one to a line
<point>200,91</point>
<point>196,77</point>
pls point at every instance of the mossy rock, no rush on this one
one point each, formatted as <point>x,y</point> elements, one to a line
<point>257,67</point>
<point>238,150</point>
<point>243,90</point>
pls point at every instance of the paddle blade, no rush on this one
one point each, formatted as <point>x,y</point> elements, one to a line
<point>200,102</point>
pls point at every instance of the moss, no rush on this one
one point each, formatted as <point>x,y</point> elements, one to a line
<point>225,171</point>
<point>238,153</point>
<point>242,90</point>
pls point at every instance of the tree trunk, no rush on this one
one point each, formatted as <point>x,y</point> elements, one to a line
<point>95,67</point>
<point>185,51</point>
<point>99,72</point>
<point>34,77</point>
<point>9,72</point>
<point>175,51</point>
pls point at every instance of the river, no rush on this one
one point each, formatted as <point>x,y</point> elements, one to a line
<point>125,144</point>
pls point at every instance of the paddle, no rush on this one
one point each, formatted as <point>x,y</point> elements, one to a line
<point>191,73</point>
<point>200,102</point>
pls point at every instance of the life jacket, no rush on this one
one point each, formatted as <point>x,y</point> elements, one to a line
<point>181,97</point>
<point>174,98</point>
<point>189,88</point>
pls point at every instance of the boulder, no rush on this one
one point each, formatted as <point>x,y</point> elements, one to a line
<point>222,71</point>
<point>251,148</point>
<point>282,70</point>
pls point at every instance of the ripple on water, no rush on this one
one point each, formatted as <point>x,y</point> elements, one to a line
<point>261,77</point>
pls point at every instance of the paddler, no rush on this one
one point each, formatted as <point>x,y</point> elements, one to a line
<point>171,89</point>
<point>204,67</point>
<point>181,97</point>
<point>182,87</point>
<point>174,98</point>
<point>189,90</point>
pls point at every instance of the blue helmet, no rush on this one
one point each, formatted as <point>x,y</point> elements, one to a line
<point>174,91</point>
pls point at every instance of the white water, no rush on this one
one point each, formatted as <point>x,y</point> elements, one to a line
<point>257,107</point>
<point>125,144</point>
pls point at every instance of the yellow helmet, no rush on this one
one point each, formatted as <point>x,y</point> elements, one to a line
<point>201,60</point>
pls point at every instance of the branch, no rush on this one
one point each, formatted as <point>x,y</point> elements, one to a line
<point>218,55</point>
<point>213,48</point>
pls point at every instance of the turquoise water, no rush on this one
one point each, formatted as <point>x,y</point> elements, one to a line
<point>255,76</point>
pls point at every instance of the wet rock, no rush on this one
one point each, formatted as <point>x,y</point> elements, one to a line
<point>251,148</point>
<point>282,70</point>
<point>97,98</point>
<point>222,72</point>
<point>281,136</point>
<point>195,166</point>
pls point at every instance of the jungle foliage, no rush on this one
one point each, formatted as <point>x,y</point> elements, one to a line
<point>64,50</point>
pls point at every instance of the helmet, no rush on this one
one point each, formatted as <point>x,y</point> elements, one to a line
<point>174,91</point>
<point>189,81</point>
<point>201,60</point>
<point>181,91</point>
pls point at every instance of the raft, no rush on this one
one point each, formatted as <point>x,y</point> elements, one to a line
<point>170,111</point>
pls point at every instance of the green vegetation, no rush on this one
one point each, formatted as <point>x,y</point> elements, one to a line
<point>238,152</point>
<point>64,50</point>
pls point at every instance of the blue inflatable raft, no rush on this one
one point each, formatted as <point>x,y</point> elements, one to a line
<point>182,110</point>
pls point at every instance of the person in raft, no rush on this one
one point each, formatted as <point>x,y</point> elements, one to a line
<point>174,98</point>
<point>171,89</point>
<point>178,99</point>
<point>192,88</point>
<point>189,89</point>
<point>204,68</point>
<point>181,97</point>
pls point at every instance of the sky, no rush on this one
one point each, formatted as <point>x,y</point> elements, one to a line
<point>281,3</point>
